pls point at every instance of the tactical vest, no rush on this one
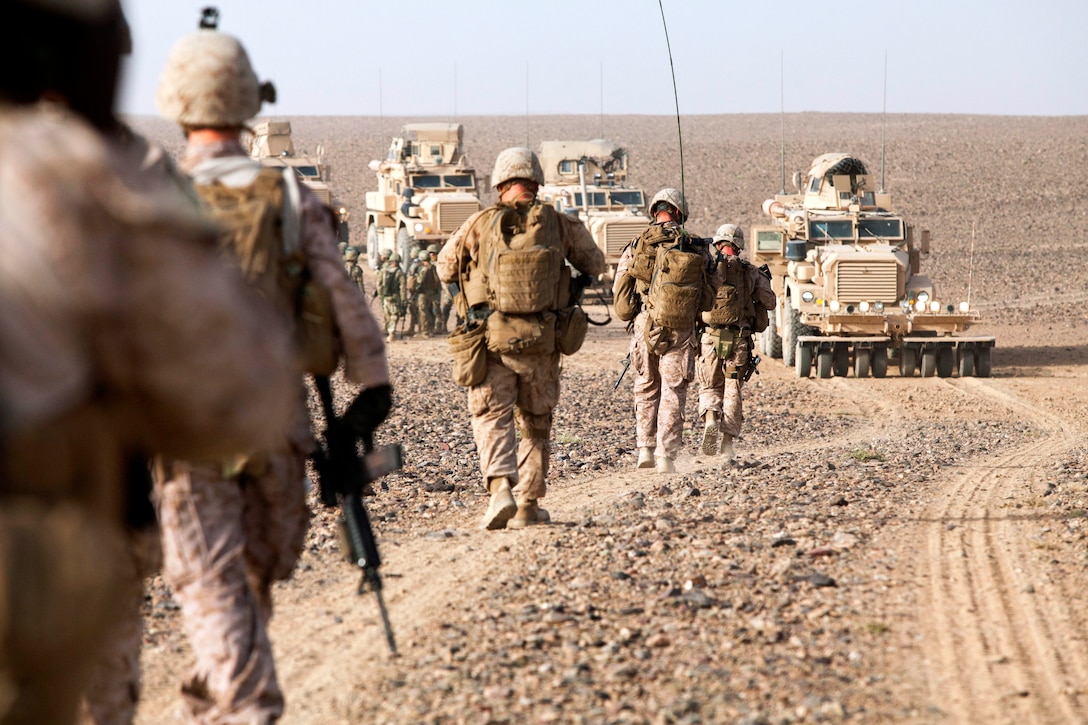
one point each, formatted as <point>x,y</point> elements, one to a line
<point>425,279</point>
<point>676,289</point>
<point>389,281</point>
<point>522,265</point>
<point>733,299</point>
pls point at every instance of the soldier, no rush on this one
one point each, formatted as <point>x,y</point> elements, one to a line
<point>109,286</point>
<point>424,289</point>
<point>255,513</point>
<point>443,302</point>
<point>393,291</point>
<point>663,340</point>
<point>351,263</point>
<point>521,385</point>
<point>726,343</point>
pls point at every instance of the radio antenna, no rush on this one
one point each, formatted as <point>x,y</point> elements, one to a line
<point>782,114</point>
<point>676,98</point>
<point>971,264</point>
<point>381,112</point>
<point>884,114</point>
<point>602,99</point>
<point>526,104</point>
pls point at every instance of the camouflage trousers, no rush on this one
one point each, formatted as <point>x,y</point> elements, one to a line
<point>225,541</point>
<point>521,391</point>
<point>720,382</point>
<point>425,303</point>
<point>390,314</point>
<point>661,389</point>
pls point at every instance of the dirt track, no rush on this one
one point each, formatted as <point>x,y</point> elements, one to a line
<point>892,550</point>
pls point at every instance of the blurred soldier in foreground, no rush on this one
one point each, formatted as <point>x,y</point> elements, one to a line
<point>393,291</point>
<point>726,342</point>
<point>510,262</point>
<point>255,511</point>
<point>665,278</point>
<point>109,287</point>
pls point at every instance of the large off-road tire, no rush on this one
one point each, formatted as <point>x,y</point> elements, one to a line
<point>967,362</point>
<point>862,362</point>
<point>803,356</point>
<point>908,361</point>
<point>793,330</point>
<point>946,361</point>
<point>769,341</point>
<point>840,359</point>
<point>929,362</point>
<point>879,362</point>
<point>982,362</point>
<point>823,363</point>
<point>404,247</point>
<point>372,250</point>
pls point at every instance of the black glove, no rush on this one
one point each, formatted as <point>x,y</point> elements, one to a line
<point>368,410</point>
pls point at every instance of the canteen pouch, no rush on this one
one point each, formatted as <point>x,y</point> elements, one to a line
<point>468,345</point>
<point>570,329</point>
<point>521,334</point>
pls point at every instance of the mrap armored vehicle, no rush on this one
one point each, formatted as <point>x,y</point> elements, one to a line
<point>588,180</point>
<point>851,295</point>
<point>270,143</point>
<point>426,190</point>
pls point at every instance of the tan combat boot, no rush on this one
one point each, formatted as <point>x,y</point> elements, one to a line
<point>502,506</point>
<point>665,465</point>
<point>529,514</point>
<point>645,457</point>
<point>710,433</point>
<point>727,449</point>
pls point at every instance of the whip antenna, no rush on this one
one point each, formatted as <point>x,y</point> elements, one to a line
<point>884,131</point>
<point>676,99</point>
<point>971,265</point>
<point>782,114</point>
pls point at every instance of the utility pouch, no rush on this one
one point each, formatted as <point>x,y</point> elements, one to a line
<point>570,329</point>
<point>316,330</point>
<point>625,300</point>
<point>723,340</point>
<point>521,334</point>
<point>468,345</point>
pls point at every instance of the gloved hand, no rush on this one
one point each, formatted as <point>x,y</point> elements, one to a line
<point>368,410</point>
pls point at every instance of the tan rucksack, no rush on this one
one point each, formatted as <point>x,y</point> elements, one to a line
<point>677,290</point>
<point>522,267</point>
<point>733,300</point>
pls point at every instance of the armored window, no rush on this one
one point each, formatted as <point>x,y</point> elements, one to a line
<point>839,229</point>
<point>436,150</point>
<point>567,166</point>
<point>880,229</point>
<point>425,181</point>
<point>814,185</point>
<point>628,198</point>
<point>768,241</point>
<point>307,172</point>
<point>596,198</point>
<point>459,181</point>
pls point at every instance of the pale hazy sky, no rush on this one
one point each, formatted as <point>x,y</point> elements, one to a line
<point>448,58</point>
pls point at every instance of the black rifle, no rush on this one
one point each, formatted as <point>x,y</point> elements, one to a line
<point>342,479</point>
<point>753,368</point>
<point>626,364</point>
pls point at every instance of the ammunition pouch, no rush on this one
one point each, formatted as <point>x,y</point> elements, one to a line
<point>723,340</point>
<point>625,298</point>
<point>521,334</point>
<point>316,331</point>
<point>468,345</point>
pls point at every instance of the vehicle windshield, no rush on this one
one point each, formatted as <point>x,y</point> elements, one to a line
<point>596,198</point>
<point>628,197</point>
<point>460,181</point>
<point>307,172</point>
<point>838,229</point>
<point>425,181</point>
<point>880,229</point>
<point>437,181</point>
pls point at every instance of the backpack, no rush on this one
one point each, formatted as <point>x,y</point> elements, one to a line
<point>389,281</point>
<point>732,301</point>
<point>677,288</point>
<point>644,251</point>
<point>522,267</point>
<point>258,209</point>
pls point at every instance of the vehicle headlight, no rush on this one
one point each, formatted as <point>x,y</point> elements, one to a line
<point>964,307</point>
<point>834,305</point>
<point>922,296</point>
<point>878,306</point>
<point>807,296</point>
<point>934,306</point>
<point>418,226</point>
<point>920,306</point>
<point>863,306</point>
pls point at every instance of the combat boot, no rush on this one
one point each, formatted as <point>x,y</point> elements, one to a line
<point>645,457</point>
<point>390,337</point>
<point>502,505</point>
<point>727,448</point>
<point>529,514</point>
<point>665,465</point>
<point>710,433</point>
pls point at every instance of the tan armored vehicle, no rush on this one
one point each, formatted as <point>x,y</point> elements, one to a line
<point>426,190</point>
<point>588,180</point>
<point>846,270</point>
<point>270,143</point>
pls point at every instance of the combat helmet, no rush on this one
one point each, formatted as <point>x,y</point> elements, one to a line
<point>384,254</point>
<point>672,197</point>
<point>351,254</point>
<point>208,80</point>
<point>517,163</point>
<point>394,257</point>
<point>434,249</point>
<point>423,256</point>
<point>730,233</point>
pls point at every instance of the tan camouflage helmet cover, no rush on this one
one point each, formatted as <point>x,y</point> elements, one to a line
<point>351,254</point>
<point>730,233</point>
<point>394,258</point>
<point>672,197</point>
<point>208,82</point>
<point>517,163</point>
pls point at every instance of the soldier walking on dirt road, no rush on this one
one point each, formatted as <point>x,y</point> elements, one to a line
<point>511,262</point>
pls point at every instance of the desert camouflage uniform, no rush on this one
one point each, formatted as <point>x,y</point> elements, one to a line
<point>227,538</point>
<point>518,389</point>
<point>108,286</point>
<point>721,380</point>
<point>393,305</point>
<point>355,271</point>
<point>425,290</point>
<point>661,375</point>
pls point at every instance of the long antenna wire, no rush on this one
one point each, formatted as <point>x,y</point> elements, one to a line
<point>782,114</point>
<point>676,98</point>
<point>884,114</point>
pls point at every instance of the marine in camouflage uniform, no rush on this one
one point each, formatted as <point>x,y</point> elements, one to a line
<point>355,270</point>
<point>393,291</point>
<point>726,349</point>
<point>664,370</point>
<point>443,300</point>
<point>109,285</point>
<point>256,514</point>
<point>424,289</point>
<point>520,390</point>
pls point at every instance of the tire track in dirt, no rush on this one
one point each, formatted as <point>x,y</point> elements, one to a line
<point>1001,639</point>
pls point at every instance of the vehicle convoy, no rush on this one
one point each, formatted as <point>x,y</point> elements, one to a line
<point>846,270</point>
<point>270,143</point>
<point>588,180</point>
<point>426,190</point>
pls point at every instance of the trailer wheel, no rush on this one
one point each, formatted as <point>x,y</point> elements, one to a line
<point>946,361</point>
<point>823,363</point>
<point>803,355</point>
<point>862,360</point>
<point>908,361</point>
<point>840,359</point>
<point>967,362</point>
<point>929,362</point>
<point>880,362</point>
<point>982,362</point>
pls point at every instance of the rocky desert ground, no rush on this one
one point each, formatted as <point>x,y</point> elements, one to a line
<point>888,550</point>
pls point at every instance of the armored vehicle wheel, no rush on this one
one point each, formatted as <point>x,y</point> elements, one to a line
<point>404,247</point>
<point>982,362</point>
<point>946,361</point>
<point>803,355</point>
<point>372,250</point>
<point>840,359</point>
<point>929,362</point>
<point>770,342</point>
<point>861,362</point>
<point>967,362</point>
<point>880,362</point>
<point>823,363</point>
<point>794,329</point>
<point>908,361</point>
